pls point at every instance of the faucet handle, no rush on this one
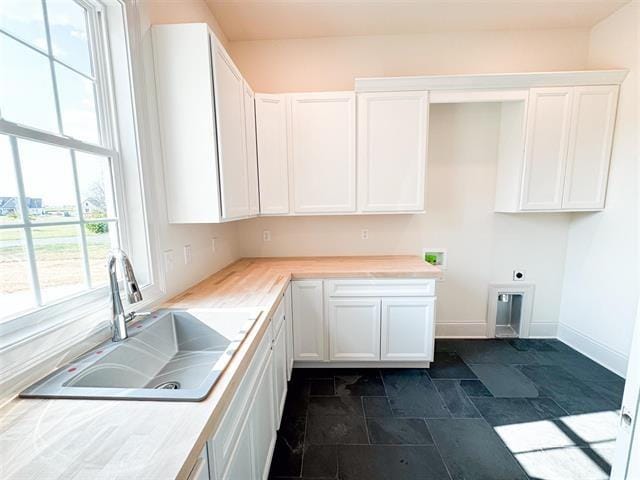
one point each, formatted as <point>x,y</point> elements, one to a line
<point>133,315</point>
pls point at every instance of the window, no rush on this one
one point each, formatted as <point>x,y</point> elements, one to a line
<point>60,193</point>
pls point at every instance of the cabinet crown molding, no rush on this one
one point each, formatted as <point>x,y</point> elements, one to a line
<point>491,80</point>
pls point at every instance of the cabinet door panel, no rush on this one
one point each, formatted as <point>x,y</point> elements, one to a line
<point>592,121</point>
<point>280,373</point>
<point>546,143</point>
<point>288,318</point>
<point>230,124</point>
<point>354,326</point>
<point>392,151</point>
<point>252,151</point>
<point>240,465</point>
<point>271,130</point>
<point>323,152</point>
<point>263,427</point>
<point>308,320</point>
<point>408,329</point>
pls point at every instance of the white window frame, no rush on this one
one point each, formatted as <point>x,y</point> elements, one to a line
<point>108,21</point>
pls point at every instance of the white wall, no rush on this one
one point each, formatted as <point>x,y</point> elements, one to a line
<point>483,247</point>
<point>600,290</point>
<point>175,237</point>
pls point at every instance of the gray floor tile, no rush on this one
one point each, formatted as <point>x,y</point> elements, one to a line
<point>494,351</point>
<point>449,365</point>
<point>287,454</point>
<point>320,461</point>
<point>336,430</point>
<point>475,388</point>
<point>455,399</point>
<point>321,386</point>
<point>504,380</point>
<point>376,462</point>
<point>506,411</point>
<point>547,407</point>
<point>412,394</point>
<point>398,431</point>
<point>335,406</point>
<point>360,383</point>
<point>377,407</point>
<point>472,451</point>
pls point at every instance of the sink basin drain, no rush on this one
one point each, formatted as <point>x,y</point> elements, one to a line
<point>168,386</point>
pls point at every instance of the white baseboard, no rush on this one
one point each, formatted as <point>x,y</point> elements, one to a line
<point>461,330</point>
<point>595,350</point>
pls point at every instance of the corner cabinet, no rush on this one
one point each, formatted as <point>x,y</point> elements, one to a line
<point>392,151</point>
<point>567,138</point>
<point>202,114</point>
<point>271,131</point>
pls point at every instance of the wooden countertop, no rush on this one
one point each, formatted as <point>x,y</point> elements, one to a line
<point>114,439</point>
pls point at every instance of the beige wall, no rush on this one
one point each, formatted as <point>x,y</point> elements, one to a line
<point>483,247</point>
<point>600,290</point>
<point>333,63</point>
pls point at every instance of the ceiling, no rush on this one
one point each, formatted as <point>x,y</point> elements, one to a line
<point>278,19</point>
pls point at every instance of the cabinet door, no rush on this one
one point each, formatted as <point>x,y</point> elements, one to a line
<point>308,320</point>
<point>263,426</point>
<point>288,318</point>
<point>392,151</point>
<point>280,372</point>
<point>230,124</point>
<point>592,121</point>
<point>408,329</point>
<point>545,154</point>
<point>354,329</point>
<point>271,131</point>
<point>200,470</point>
<point>240,467</point>
<point>252,151</point>
<point>323,152</point>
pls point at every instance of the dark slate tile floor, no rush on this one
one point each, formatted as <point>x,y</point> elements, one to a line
<point>486,409</point>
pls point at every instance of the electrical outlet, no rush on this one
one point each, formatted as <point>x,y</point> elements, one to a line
<point>266,236</point>
<point>364,234</point>
<point>519,275</point>
<point>187,254</point>
<point>213,245</point>
<point>168,261</point>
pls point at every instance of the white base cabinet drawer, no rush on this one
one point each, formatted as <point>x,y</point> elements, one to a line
<point>408,329</point>
<point>374,287</point>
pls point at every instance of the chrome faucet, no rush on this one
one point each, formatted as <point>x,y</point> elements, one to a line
<point>120,319</point>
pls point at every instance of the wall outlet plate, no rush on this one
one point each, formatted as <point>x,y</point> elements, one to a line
<point>168,261</point>
<point>519,275</point>
<point>187,254</point>
<point>364,234</point>
<point>266,236</point>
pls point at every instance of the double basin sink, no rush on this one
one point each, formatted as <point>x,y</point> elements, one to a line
<point>169,355</point>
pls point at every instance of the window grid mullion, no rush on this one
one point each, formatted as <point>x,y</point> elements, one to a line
<point>24,211</point>
<point>83,235</point>
<point>52,66</point>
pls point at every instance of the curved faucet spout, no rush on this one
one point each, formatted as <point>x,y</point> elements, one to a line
<point>119,319</point>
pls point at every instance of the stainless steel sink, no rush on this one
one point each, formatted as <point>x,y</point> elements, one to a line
<point>169,355</point>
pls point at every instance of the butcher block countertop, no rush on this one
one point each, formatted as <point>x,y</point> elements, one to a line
<point>116,439</point>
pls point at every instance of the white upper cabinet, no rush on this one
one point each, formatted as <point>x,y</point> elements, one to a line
<point>322,147</point>
<point>230,122</point>
<point>567,147</point>
<point>593,118</point>
<point>392,151</point>
<point>545,151</point>
<point>201,113</point>
<point>252,152</point>
<point>271,130</point>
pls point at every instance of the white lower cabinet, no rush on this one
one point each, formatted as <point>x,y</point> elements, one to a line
<point>280,372</point>
<point>288,318</point>
<point>200,470</point>
<point>308,320</point>
<point>263,424</point>
<point>354,326</point>
<point>239,467</point>
<point>407,329</point>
